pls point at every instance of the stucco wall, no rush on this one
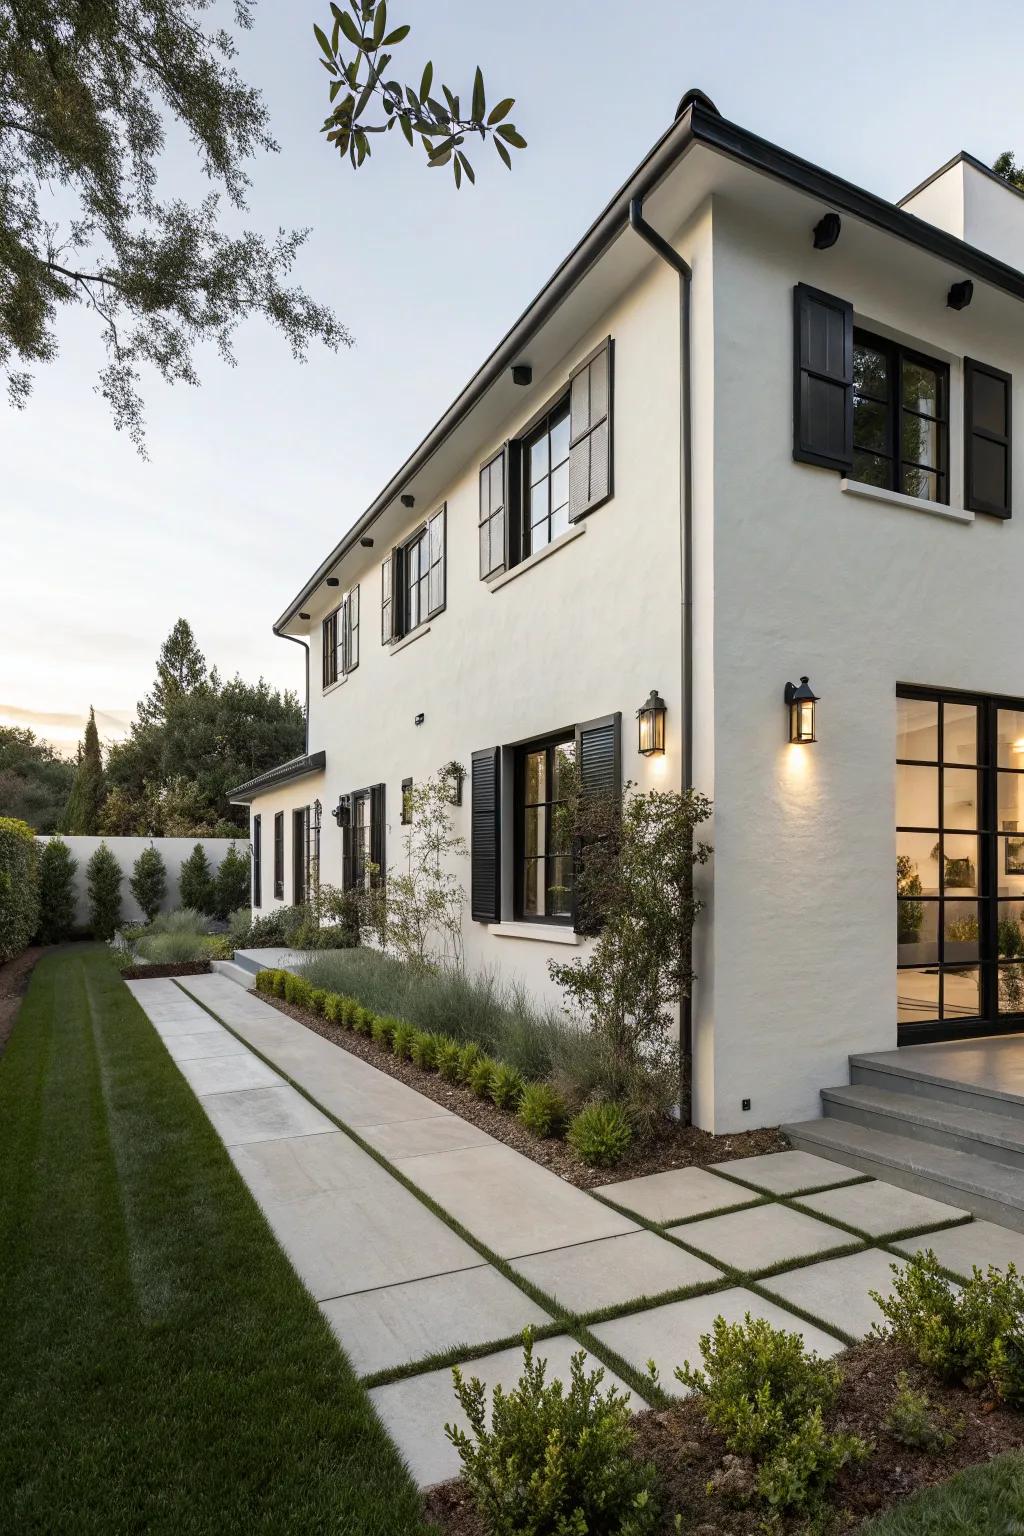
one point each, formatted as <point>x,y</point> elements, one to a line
<point>173,850</point>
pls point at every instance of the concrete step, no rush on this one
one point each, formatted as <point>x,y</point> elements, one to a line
<point>239,973</point>
<point>898,1072</point>
<point>966,1129</point>
<point>992,1190</point>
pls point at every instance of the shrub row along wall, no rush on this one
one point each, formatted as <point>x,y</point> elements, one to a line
<point>173,850</point>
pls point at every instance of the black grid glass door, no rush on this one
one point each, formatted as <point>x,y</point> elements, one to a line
<point>959,801</point>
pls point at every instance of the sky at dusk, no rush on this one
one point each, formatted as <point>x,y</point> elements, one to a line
<point>253,477</point>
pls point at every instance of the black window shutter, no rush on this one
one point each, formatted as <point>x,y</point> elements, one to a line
<point>279,856</point>
<point>599,766</point>
<point>378,833</point>
<point>988,421</point>
<point>822,379</point>
<point>485,841</point>
<point>257,861</point>
<point>513,502</point>
<point>590,432</point>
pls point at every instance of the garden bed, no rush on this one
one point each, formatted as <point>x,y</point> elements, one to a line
<point>677,1147</point>
<point>687,1453</point>
<point>14,980</point>
<point>156,972</point>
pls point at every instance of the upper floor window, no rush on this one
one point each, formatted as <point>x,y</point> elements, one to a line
<point>546,480</point>
<point>900,419</point>
<point>341,639</point>
<point>492,515</point>
<point>413,580</point>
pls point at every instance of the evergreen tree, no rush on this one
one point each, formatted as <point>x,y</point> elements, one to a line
<point>34,781</point>
<point>197,887</point>
<point>82,813</point>
<point>56,891</point>
<point>232,882</point>
<point>148,883</point>
<point>103,876</point>
<point>180,670</point>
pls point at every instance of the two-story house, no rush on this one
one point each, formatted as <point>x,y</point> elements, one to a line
<point>756,428</point>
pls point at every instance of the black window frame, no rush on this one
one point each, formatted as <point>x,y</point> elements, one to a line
<point>395,605</point>
<point>406,803</point>
<point>896,354</point>
<point>559,411</point>
<point>548,744</point>
<point>488,513</point>
<point>340,639</point>
<point>300,854</point>
<point>973,430</point>
<point>257,860</point>
<point>279,855</point>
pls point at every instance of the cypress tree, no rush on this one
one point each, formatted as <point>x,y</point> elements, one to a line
<point>82,813</point>
<point>148,883</point>
<point>56,891</point>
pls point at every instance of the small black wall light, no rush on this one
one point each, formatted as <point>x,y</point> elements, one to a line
<point>801,703</point>
<point>366,543</point>
<point>332,581</point>
<point>303,615</point>
<point>419,719</point>
<point>407,500</point>
<point>522,373</point>
<point>960,294</point>
<point>341,812</point>
<point>651,725</point>
<point>826,231</point>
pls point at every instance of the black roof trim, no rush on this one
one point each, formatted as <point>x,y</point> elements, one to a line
<point>697,125</point>
<point>295,768</point>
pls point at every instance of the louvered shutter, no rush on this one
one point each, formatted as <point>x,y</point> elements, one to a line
<point>988,413</point>
<point>344,814</point>
<point>378,833</point>
<point>599,766</point>
<point>485,843</point>
<point>257,861</point>
<point>822,379</point>
<point>590,432</point>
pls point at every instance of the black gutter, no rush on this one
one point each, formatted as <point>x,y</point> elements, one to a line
<point>305,645</point>
<point>669,254</point>
<point>698,124</point>
<point>294,768</point>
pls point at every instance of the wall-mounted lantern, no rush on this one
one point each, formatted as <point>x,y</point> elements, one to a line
<point>651,725</point>
<point>801,701</point>
<point>342,812</point>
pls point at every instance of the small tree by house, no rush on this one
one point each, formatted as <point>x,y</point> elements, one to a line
<point>197,887</point>
<point>82,813</point>
<point>19,887</point>
<point>421,918</point>
<point>231,885</point>
<point>103,882</point>
<point>56,891</point>
<point>148,883</point>
<point>634,884</point>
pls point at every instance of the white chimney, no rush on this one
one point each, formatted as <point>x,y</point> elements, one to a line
<point>968,200</point>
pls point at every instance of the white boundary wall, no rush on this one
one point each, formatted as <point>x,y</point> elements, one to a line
<point>173,850</point>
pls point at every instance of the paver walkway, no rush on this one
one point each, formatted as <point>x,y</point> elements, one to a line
<point>646,1264</point>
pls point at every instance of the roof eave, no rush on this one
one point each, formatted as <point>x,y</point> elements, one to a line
<point>299,768</point>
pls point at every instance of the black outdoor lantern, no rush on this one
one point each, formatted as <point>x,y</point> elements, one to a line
<point>651,722</point>
<point>342,812</point>
<point>801,701</point>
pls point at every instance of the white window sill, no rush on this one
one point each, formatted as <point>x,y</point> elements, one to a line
<point>333,687</point>
<point>911,503</point>
<point>575,532</point>
<point>407,640</point>
<point>547,933</point>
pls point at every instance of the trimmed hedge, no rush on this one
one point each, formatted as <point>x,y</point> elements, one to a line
<point>56,891</point>
<point>19,886</point>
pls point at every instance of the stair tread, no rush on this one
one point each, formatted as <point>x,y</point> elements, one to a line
<point>891,1064</point>
<point>939,1114</point>
<point>925,1159</point>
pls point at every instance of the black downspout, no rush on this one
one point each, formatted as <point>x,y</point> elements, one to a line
<point>305,647</point>
<point>667,253</point>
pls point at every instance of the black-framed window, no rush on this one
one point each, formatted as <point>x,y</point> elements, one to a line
<point>414,580</point>
<point>340,631</point>
<point>387,600</point>
<point>257,861</point>
<point>279,856</point>
<point>546,480</point>
<point>492,516</point>
<point>900,418</point>
<point>300,854</point>
<point>988,432</point>
<point>407,802</point>
<point>543,830</point>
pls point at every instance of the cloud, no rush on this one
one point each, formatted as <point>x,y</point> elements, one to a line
<point>64,731</point>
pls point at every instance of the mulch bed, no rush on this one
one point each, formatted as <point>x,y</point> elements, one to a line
<point>14,979</point>
<point>155,972</point>
<point>688,1454</point>
<point>676,1147</point>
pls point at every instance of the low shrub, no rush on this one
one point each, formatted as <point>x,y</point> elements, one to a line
<point>148,883</point>
<point>601,1134</point>
<point>381,1030</point>
<point>240,926</point>
<point>266,981</point>
<point>195,883</point>
<point>973,1335</point>
<point>280,983</point>
<point>401,1040</point>
<point>296,991</point>
<point>334,1006</point>
<point>103,883</point>
<point>181,920</point>
<point>423,1050</point>
<point>317,1000</point>
<point>19,886</point>
<point>506,1086</point>
<point>468,1057</point>
<point>542,1110</point>
<point>481,1077</point>
<point>172,948</point>
<point>553,1459</point>
<point>769,1398</point>
<point>361,1019</point>
<point>448,1059</point>
<point>912,1420</point>
<point>56,891</point>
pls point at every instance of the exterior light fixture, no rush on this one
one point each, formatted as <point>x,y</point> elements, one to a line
<point>332,581</point>
<point>303,615</point>
<point>960,294</point>
<point>826,231</point>
<point>522,374</point>
<point>651,725</point>
<point>342,812</point>
<point>800,701</point>
<point>407,500</point>
<point>366,543</point>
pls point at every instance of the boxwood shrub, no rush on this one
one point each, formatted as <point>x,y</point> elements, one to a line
<point>19,886</point>
<point>542,1110</point>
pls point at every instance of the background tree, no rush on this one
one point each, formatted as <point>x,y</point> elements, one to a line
<point>1005,165</point>
<point>355,57</point>
<point>103,883</point>
<point>88,790</point>
<point>196,887</point>
<point>180,669</point>
<point>148,883</point>
<point>231,882</point>
<point>34,781</point>
<point>56,891</point>
<point>88,97</point>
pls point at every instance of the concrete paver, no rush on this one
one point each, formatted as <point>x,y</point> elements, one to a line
<point>676,1194</point>
<point>783,1173</point>
<point>980,1242</point>
<point>757,1239</point>
<point>226,1074</point>
<point>880,1209</point>
<point>262,1114</point>
<point>614,1271</point>
<point>837,1290</point>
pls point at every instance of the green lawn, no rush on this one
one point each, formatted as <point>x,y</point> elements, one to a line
<point>983,1501</point>
<point>161,1367</point>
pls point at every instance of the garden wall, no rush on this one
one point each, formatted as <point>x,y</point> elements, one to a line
<point>173,850</point>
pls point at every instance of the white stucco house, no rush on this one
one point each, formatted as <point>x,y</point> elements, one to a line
<point>757,427</point>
